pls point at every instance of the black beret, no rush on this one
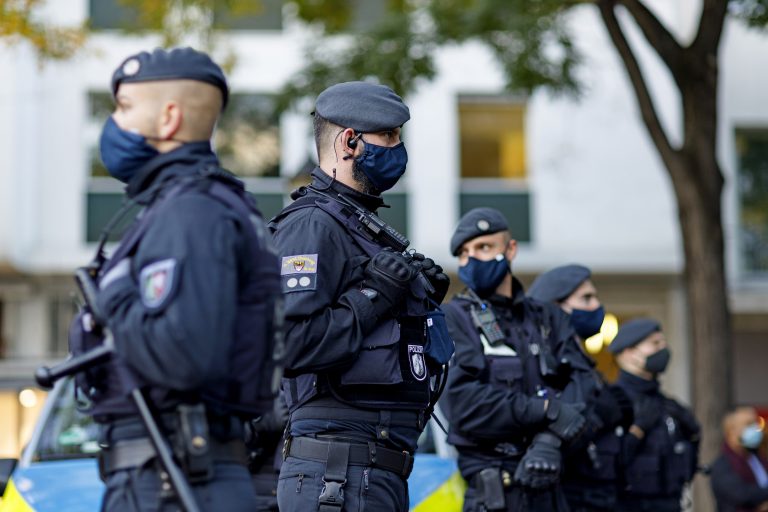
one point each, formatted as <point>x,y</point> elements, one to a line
<point>176,64</point>
<point>557,284</point>
<point>633,332</point>
<point>362,106</point>
<point>477,222</point>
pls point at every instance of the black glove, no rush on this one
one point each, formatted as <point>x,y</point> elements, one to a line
<point>540,466</point>
<point>614,407</point>
<point>390,273</point>
<point>647,412</point>
<point>567,420</point>
<point>435,275</point>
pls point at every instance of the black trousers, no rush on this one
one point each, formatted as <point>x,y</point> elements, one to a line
<point>366,489</point>
<point>139,490</point>
<point>519,499</point>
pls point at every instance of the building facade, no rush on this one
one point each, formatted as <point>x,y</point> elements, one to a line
<point>579,179</point>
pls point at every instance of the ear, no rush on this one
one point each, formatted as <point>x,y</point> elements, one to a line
<point>348,137</point>
<point>511,250</point>
<point>169,121</point>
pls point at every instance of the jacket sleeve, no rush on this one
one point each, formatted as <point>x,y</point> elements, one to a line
<point>476,407</point>
<point>325,323</point>
<point>173,315</point>
<point>730,489</point>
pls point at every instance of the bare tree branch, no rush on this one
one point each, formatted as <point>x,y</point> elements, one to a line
<point>656,33</point>
<point>711,24</point>
<point>647,108</point>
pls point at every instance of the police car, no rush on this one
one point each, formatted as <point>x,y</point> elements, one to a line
<point>57,471</point>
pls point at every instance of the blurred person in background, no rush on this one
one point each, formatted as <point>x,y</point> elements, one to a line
<point>739,476</point>
<point>592,465</point>
<point>660,450</point>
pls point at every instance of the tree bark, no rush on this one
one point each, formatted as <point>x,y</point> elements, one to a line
<point>698,184</point>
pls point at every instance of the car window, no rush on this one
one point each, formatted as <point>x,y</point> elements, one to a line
<point>67,432</point>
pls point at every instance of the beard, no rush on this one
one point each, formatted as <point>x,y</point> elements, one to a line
<point>365,183</point>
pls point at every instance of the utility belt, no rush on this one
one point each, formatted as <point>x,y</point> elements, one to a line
<point>135,453</point>
<point>355,454</point>
<point>491,486</point>
<point>125,444</point>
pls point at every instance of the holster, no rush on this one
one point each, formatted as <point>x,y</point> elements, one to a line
<point>490,489</point>
<point>192,442</point>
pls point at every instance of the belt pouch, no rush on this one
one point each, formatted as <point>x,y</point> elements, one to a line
<point>491,489</point>
<point>193,443</point>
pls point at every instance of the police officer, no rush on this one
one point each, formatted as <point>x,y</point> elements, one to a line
<point>358,375</point>
<point>189,294</point>
<point>660,450</point>
<point>592,466</point>
<point>513,399</point>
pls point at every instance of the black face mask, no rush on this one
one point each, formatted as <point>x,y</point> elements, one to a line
<point>658,361</point>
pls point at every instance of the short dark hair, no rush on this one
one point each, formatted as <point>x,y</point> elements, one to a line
<point>323,130</point>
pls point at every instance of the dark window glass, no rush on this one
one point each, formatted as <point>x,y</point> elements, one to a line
<point>516,207</point>
<point>250,15</point>
<point>752,150</point>
<point>115,14</point>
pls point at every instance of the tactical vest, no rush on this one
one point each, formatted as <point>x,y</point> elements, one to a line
<point>390,370</point>
<point>517,363</point>
<point>253,363</point>
<point>664,463</point>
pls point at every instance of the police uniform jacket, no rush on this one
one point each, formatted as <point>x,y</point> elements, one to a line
<point>339,349</point>
<point>495,397</point>
<point>657,467</point>
<point>196,288</point>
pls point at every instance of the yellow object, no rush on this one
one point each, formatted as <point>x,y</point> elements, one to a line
<point>12,501</point>
<point>449,497</point>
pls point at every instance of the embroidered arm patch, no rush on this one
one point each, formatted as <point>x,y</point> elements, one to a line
<point>158,283</point>
<point>298,273</point>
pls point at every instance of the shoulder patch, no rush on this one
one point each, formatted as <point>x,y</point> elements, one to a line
<point>158,282</point>
<point>298,273</point>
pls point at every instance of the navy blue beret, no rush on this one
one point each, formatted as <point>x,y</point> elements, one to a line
<point>557,284</point>
<point>633,332</point>
<point>362,106</point>
<point>176,64</point>
<point>477,222</point>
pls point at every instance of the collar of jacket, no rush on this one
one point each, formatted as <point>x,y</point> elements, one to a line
<point>638,384</point>
<point>322,181</point>
<point>165,166</point>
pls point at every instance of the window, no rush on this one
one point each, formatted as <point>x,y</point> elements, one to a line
<point>493,163</point>
<point>124,15</point>
<point>492,137</point>
<point>247,141</point>
<point>61,310</point>
<point>752,151</point>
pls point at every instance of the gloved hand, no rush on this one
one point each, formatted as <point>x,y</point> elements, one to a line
<point>567,420</point>
<point>390,273</point>
<point>647,412</point>
<point>614,407</point>
<point>540,466</point>
<point>435,275</point>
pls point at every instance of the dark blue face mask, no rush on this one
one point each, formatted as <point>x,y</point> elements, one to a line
<point>587,323</point>
<point>123,152</point>
<point>483,277</point>
<point>382,165</point>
